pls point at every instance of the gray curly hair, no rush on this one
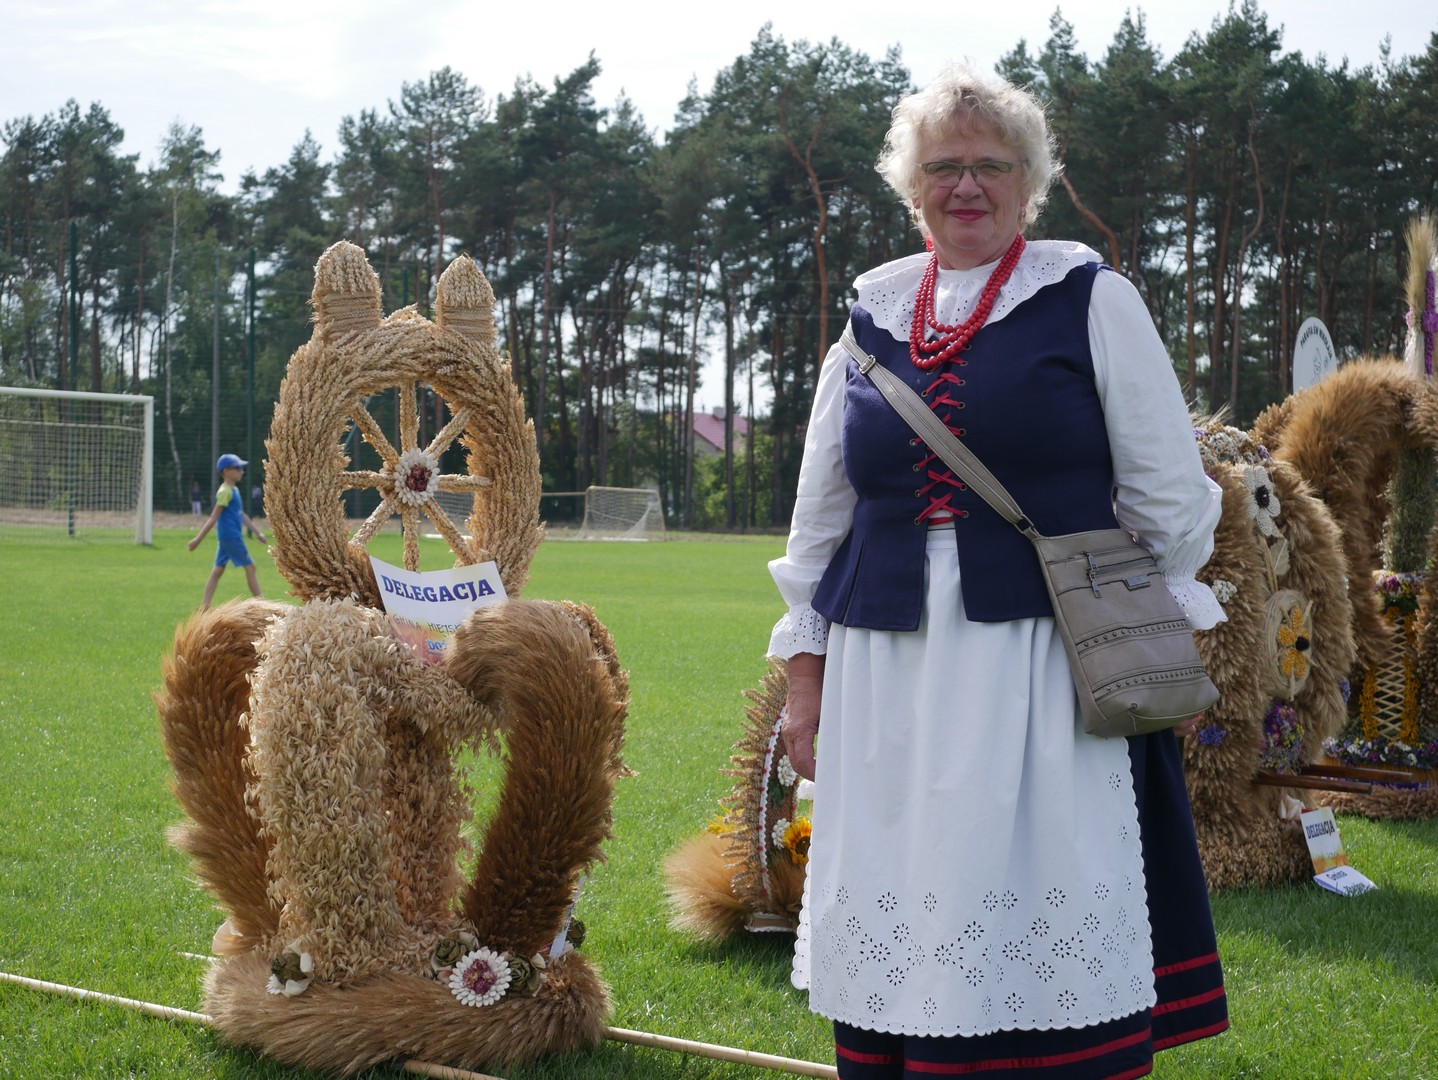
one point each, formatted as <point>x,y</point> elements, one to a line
<point>960,93</point>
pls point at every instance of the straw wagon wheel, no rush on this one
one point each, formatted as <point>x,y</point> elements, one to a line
<point>353,355</point>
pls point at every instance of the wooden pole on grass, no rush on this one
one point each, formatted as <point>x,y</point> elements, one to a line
<point>418,1068</point>
<point>722,1053</point>
<point>445,1072</point>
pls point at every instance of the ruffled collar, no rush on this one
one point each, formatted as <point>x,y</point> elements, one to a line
<point>888,292</point>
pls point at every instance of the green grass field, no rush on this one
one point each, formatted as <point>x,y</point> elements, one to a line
<point>92,896</point>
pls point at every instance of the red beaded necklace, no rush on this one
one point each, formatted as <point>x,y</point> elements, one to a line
<point>928,353</point>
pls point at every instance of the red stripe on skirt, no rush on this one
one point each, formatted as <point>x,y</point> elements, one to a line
<point>1188,1002</point>
<point>865,1059</point>
<point>1047,1061</point>
<point>1133,1074</point>
<point>1189,1036</point>
<point>1185,965</point>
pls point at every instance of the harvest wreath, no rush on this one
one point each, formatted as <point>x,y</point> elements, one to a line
<point>746,870</point>
<point>315,754</point>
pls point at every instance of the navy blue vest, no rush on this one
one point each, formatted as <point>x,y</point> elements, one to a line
<point>1024,401</point>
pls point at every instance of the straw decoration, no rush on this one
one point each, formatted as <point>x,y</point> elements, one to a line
<point>354,354</point>
<point>315,754</point>
<point>735,875</point>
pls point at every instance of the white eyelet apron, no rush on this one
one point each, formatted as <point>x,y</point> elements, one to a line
<point>975,863</point>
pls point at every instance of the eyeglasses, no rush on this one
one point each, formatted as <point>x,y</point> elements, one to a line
<point>949,173</point>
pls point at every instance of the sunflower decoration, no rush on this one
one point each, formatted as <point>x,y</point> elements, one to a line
<point>1288,619</point>
<point>1294,643</point>
<point>796,840</point>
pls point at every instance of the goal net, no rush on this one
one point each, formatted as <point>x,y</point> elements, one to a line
<point>600,513</point>
<point>75,464</point>
<point>612,513</point>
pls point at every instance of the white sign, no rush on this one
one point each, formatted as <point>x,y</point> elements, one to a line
<point>426,607</point>
<point>1325,847</point>
<point>1345,881</point>
<point>1314,358</point>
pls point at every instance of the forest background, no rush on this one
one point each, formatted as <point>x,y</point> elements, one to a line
<point>1242,188</point>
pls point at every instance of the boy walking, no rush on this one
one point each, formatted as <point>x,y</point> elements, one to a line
<point>229,521</point>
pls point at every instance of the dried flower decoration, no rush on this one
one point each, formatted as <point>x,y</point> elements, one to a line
<point>480,978</point>
<point>1219,444</point>
<point>1282,739</point>
<point>416,476</point>
<point>527,976</point>
<point>776,835</point>
<point>1399,592</point>
<point>449,952</point>
<point>1262,504</point>
<point>290,972</point>
<point>1382,751</point>
<point>1223,590</point>
<point>787,776</point>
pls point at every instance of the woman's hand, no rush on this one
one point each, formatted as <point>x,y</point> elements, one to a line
<point>801,711</point>
<point>1189,726</point>
<point>801,727</point>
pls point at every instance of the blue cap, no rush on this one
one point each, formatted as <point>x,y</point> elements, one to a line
<point>229,461</point>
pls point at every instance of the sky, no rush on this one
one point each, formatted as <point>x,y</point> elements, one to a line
<point>255,76</point>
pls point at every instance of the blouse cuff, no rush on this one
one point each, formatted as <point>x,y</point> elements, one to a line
<point>1199,605</point>
<point>801,630</point>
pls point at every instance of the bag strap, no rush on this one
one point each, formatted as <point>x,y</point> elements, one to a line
<point>958,457</point>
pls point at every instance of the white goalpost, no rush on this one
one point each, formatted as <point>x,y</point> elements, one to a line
<point>76,464</point>
<point>614,513</point>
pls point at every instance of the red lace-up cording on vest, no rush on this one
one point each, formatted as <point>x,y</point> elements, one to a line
<point>942,483</point>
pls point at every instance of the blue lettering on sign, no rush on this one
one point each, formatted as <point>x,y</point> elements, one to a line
<point>1320,828</point>
<point>444,594</point>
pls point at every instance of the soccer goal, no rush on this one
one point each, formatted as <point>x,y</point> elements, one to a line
<point>612,513</point>
<point>76,464</point>
<point>600,513</point>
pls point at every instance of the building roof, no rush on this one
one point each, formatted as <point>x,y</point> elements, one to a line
<point>710,427</point>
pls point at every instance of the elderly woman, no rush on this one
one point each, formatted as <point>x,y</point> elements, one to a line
<point>991,889</point>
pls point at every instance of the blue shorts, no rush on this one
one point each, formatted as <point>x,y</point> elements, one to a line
<point>233,551</point>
